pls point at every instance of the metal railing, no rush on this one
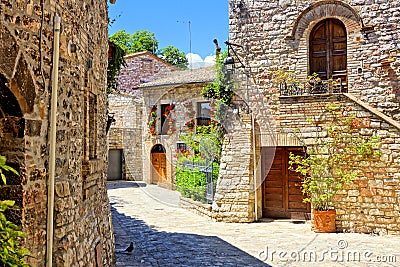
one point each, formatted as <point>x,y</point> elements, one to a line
<point>206,168</point>
<point>311,87</point>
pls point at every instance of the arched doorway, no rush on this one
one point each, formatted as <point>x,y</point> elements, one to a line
<point>12,127</point>
<point>158,164</point>
<point>328,50</point>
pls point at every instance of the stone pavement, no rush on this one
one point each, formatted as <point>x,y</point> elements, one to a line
<point>166,235</point>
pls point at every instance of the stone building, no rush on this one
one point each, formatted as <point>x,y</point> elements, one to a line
<point>127,106</point>
<point>171,103</point>
<point>354,42</point>
<point>81,215</point>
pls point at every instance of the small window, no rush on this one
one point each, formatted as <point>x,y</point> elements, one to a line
<point>181,146</point>
<point>92,126</point>
<point>204,113</point>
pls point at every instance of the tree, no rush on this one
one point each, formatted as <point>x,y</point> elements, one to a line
<point>173,55</point>
<point>136,42</point>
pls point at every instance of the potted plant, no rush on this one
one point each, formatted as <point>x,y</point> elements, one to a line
<point>190,124</point>
<point>328,167</point>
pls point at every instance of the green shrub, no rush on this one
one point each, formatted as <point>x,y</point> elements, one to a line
<point>11,252</point>
<point>191,183</point>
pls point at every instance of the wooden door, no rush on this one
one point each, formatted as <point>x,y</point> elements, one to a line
<point>281,192</point>
<point>328,51</point>
<point>159,163</point>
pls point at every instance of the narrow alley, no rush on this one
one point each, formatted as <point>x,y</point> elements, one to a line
<point>166,235</point>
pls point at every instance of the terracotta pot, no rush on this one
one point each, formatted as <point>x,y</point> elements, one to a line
<point>324,221</point>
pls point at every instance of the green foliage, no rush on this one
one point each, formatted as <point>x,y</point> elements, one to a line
<point>191,183</point>
<point>221,88</point>
<point>330,166</point>
<point>4,166</point>
<point>11,252</point>
<point>136,42</point>
<point>114,66</point>
<point>206,141</point>
<point>174,56</point>
<point>204,147</point>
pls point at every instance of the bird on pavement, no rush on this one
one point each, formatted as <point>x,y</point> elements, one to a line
<point>130,248</point>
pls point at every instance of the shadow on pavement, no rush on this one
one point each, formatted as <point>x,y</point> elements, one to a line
<point>117,184</point>
<point>159,248</point>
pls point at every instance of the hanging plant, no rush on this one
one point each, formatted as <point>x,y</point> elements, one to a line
<point>190,115</point>
<point>169,120</point>
<point>190,124</point>
<point>153,120</point>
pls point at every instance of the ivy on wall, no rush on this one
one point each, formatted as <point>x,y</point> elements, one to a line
<point>115,62</point>
<point>222,87</point>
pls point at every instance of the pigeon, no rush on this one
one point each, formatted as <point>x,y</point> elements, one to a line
<point>130,248</point>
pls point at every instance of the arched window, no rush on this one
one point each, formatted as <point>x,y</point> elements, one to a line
<point>328,51</point>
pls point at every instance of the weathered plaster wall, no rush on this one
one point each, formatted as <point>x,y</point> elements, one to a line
<point>83,232</point>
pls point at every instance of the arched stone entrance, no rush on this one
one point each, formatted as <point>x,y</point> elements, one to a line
<point>12,127</point>
<point>158,165</point>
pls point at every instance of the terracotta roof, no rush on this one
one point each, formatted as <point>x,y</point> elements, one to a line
<point>203,75</point>
<point>147,53</point>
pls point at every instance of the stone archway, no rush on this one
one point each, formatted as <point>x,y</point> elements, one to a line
<point>17,98</point>
<point>325,9</point>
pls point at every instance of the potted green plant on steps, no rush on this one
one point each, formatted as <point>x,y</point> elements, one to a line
<point>333,163</point>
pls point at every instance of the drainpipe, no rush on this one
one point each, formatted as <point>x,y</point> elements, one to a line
<point>52,155</point>
<point>254,167</point>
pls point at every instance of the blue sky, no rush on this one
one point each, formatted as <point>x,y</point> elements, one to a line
<point>209,20</point>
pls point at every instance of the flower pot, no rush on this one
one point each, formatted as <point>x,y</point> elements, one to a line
<point>324,221</point>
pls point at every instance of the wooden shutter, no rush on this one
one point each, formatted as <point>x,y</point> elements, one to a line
<point>328,50</point>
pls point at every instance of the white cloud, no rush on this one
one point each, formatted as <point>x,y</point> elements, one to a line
<point>196,62</point>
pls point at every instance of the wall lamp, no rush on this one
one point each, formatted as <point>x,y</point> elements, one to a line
<point>110,120</point>
<point>229,61</point>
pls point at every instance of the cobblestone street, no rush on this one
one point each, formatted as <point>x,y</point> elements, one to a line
<point>166,235</point>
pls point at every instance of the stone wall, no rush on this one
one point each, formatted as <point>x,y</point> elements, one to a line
<point>196,207</point>
<point>82,222</point>
<point>126,133</point>
<point>165,95</point>
<point>275,35</point>
<point>128,106</point>
<point>234,199</point>
<point>369,203</point>
<point>141,68</point>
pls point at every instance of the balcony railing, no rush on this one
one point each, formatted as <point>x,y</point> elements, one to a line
<point>311,88</point>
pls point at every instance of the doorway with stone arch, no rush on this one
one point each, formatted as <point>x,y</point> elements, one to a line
<point>158,165</point>
<point>328,50</point>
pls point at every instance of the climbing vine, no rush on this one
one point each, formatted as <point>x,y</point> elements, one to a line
<point>222,87</point>
<point>115,62</point>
